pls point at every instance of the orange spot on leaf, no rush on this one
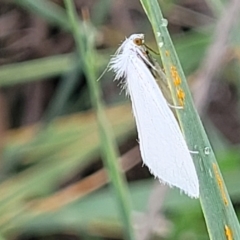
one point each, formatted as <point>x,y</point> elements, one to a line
<point>220,183</point>
<point>167,53</point>
<point>228,232</point>
<point>181,96</point>
<point>177,82</point>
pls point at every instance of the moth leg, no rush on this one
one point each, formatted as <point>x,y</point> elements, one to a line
<point>193,152</point>
<point>175,107</point>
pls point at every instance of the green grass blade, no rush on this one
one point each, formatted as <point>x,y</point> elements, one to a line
<point>83,35</point>
<point>34,70</point>
<point>66,86</point>
<point>219,214</point>
<point>48,10</point>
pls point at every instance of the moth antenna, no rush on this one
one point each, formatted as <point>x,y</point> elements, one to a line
<point>150,49</point>
<point>108,66</point>
<point>105,70</point>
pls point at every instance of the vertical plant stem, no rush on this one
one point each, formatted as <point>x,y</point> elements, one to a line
<point>83,35</point>
<point>219,214</point>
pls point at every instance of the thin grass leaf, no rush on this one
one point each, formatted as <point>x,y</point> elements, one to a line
<point>35,70</point>
<point>86,213</point>
<point>83,35</point>
<point>65,148</point>
<point>48,10</point>
<point>58,103</point>
<point>219,214</point>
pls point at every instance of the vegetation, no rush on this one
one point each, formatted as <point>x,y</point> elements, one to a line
<point>58,124</point>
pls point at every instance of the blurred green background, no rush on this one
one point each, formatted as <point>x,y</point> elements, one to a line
<point>53,183</point>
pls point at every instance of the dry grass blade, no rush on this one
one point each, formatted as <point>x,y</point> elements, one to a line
<point>215,56</point>
<point>83,187</point>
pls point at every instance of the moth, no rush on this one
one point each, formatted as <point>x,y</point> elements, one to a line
<point>162,145</point>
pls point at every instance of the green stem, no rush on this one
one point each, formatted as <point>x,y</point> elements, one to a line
<point>85,47</point>
<point>219,214</point>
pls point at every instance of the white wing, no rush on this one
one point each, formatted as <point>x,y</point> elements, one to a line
<point>162,145</point>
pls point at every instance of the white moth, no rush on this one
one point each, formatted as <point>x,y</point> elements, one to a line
<point>162,145</point>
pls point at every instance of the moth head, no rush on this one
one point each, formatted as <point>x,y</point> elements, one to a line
<point>138,39</point>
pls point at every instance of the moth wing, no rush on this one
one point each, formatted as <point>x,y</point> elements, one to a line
<point>162,145</point>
